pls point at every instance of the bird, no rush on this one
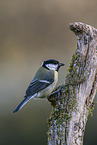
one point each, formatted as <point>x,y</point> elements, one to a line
<point>43,83</point>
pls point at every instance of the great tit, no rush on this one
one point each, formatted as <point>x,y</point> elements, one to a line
<point>43,82</point>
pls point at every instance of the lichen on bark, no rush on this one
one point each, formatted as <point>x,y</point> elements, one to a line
<point>71,109</point>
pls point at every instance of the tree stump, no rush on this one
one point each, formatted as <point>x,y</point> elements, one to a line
<point>74,102</point>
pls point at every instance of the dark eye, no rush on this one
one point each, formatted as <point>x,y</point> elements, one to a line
<point>55,63</point>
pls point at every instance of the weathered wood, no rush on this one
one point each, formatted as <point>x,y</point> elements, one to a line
<point>71,109</point>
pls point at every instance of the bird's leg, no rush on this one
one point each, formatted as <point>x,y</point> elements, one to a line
<point>57,91</point>
<point>55,96</point>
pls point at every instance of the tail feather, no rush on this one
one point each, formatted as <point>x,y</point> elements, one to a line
<point>26,99</point>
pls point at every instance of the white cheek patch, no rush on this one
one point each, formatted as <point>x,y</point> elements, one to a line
<point>52,66</point>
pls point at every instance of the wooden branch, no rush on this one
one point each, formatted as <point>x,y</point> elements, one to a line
<point>71,109</point>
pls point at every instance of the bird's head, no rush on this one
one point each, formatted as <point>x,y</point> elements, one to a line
<point>52,64</point>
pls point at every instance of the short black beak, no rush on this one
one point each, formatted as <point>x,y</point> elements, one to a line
<point>61,64</point>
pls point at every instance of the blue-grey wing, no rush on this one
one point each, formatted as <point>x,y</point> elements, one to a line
<point>42,79</point>
<point>36,86</point>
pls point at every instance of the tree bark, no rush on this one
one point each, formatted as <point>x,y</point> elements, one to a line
<point>74,102</point>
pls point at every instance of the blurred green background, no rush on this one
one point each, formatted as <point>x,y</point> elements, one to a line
<point>32,31</point>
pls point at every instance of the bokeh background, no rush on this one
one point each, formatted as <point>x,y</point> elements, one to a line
<point>32,31</point>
